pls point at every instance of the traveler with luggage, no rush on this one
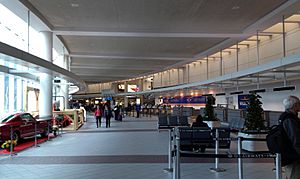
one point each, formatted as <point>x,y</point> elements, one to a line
<point>291,125</point>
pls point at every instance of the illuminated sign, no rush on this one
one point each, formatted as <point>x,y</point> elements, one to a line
<point>185,100</point>
<point>132,88</point>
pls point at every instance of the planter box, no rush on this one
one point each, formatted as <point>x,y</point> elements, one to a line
<point>213,124</point>
<point>254,146</point>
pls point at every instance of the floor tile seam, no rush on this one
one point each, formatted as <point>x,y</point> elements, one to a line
<point>124,121</point>
<point>112,159</point>
<point>114,130</point>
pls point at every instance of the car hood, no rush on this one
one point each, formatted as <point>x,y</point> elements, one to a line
<point>8,124</point>
<point>1,124</point>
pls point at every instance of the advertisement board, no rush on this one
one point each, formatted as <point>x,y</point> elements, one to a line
<point>243,101</point>
<point>132,88</point>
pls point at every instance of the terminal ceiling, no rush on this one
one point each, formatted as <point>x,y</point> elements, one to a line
<point>110,40</point>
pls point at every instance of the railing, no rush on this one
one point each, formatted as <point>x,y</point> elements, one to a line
<point>77,117</point>
<point>175,153</point>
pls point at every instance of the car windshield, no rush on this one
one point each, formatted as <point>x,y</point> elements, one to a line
<point>7,118</point>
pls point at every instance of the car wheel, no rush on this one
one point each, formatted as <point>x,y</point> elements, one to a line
<point>45,133</point>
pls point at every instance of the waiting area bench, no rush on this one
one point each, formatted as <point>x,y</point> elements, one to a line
<point>200,138</point>
<point>170,121</point>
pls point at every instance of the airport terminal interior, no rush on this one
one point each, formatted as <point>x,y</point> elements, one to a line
<point>149,69</point>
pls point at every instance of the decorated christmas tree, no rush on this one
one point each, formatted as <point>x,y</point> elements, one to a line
<point>209,114</point>
<point>254,116</point>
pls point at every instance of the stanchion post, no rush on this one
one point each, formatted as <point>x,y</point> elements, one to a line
<point>170,158</point>
<point>278,166</point>
<point>178,156</point>
<point>62,128</point>
<point>48,122</point>
<point>174,157</point>
<point>240,164</point>
<point>217,169</point>
<point>11,141</point>
<point>176,173</point>
<point>35,139</point>
<point>217,149</point>
<point>35,134</point>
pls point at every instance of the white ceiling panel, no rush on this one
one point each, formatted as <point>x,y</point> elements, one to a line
<point>111,40</point>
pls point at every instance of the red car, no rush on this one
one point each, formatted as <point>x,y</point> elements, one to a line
<point>60,121</point>
<point>23,125</point>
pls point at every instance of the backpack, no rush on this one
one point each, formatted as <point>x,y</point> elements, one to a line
<point>276,138</point>
<point>278,141</point>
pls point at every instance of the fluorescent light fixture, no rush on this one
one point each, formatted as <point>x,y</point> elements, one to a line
<point>258,91</point>
<point>207,95</point>
<point>284,88</point>
<point>220,94</point>
<point>237,92</point>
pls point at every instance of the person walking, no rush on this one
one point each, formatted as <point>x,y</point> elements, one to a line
<point>291,126</point>
<point>98,115</point>
<point>138,109</point>
<point>117,112</point>
<point>108,114</point>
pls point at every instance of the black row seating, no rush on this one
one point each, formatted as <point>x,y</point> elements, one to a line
<point>200,138</point>
<point>167,121</point>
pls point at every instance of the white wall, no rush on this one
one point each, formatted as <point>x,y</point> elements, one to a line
<point>271,100</point>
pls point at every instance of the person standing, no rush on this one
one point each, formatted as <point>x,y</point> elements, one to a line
<point>138,109</point>
<point>291,126</point>
<point>98,115</point>
<point>117,112</point>
<point>108,114</point>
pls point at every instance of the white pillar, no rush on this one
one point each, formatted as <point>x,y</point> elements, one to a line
<point>65,87</point>
<point>46,85</point>
<point>141,89</point>
<point>125,97</point>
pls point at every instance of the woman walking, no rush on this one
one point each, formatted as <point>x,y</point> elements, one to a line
<point>108,113</point>
<point>98,116</point>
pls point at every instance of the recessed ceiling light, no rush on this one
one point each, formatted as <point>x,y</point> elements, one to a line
<point>74,5</point>
<point>235,7</point>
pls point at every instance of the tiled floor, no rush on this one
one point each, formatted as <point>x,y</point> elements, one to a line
<point>131,149</point>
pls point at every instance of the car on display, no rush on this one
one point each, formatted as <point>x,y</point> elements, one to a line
<point>23,125</point>
<point>60,121</point>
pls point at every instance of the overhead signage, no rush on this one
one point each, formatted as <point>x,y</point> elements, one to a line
<point>132,88</point>
<point>185,100</point>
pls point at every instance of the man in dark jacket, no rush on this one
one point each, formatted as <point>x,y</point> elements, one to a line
<point>291,125</point>
<point>138,109</point>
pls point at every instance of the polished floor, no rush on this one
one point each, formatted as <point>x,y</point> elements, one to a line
<point>132,149</point>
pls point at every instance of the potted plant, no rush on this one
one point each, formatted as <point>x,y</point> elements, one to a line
<point>254,125</point>
<point>6,145</point>
<point>209,113</point>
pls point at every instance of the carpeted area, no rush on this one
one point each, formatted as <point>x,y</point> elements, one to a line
<point>24,144</point>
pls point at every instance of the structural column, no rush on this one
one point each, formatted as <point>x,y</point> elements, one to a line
<point>46,85</point>
<point>141,88</point>
<point>65,86</point>
<point>125,97</point>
